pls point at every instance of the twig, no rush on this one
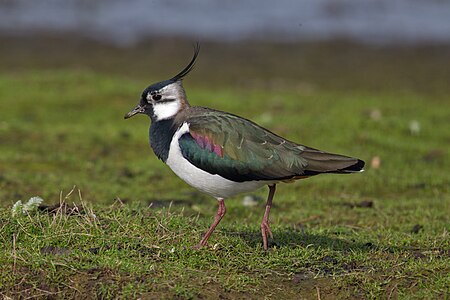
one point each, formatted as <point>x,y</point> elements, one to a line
<point>5,297</point>
<point>392,291</point>
<point>14,253</point>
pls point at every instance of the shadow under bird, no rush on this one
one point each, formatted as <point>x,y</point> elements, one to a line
<point>222,154</point>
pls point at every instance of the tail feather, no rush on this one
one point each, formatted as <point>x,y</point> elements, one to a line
<point>357,167</point>
<point>323,162</point>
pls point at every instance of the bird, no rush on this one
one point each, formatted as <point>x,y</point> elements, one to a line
<point>222,154</point>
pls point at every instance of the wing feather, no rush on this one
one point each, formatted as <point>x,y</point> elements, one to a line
<point>240,150</point>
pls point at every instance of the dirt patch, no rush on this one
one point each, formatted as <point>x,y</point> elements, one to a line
<point>361,204</point>
<point>52,250</point>
<point>434,155</point>
<point>91,283</point>
<point>29,284</point>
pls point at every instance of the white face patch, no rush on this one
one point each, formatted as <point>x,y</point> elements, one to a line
<point>166,110</point>
<point>167,101</point>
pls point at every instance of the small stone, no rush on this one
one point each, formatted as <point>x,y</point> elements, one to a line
<point>414,127</point>
<point>375,114</point>
<point>196,208</point>
<point>265,118</point>
<point>250,200</point>
<point>375,162</point>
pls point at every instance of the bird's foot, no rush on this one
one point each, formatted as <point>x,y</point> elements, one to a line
<point>265,231</point>
<point>198,246</point>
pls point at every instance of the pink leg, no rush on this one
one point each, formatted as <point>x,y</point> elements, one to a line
<point>220,213</point>
<point>265,229</point>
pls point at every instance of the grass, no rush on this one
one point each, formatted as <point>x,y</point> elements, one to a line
<point>130,225</point>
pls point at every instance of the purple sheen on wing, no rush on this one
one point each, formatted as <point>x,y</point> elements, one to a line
<point>208,144</point>
<point>218,150</point>
<point>205,143</point>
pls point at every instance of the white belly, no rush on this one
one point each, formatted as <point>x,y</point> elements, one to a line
<point>214,185</point>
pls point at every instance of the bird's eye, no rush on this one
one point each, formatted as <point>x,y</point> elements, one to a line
<point>156,97</point>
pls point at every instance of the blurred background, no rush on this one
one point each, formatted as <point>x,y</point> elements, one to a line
<point>126,23</point>
<point>365,78</point>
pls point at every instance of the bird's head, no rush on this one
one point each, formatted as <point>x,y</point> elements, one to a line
<point>163,100</point>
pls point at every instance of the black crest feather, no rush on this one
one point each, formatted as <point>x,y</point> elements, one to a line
<point>190,66</point>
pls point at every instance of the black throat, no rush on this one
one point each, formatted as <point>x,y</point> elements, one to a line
<point>161,134</point>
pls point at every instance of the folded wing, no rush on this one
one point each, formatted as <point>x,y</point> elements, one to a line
<point>240,150</point>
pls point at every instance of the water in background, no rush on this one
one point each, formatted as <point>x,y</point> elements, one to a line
<point>126,22</point>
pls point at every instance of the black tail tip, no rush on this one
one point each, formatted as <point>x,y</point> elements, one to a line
<point>357,167</point>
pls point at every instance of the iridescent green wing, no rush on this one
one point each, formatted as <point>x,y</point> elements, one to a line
<point>238,149</point>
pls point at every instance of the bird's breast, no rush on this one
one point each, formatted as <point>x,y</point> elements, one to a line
<point>160,135</point>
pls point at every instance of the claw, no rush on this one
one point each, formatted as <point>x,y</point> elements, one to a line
<point>198,246</point>
<point>266,231</point>
<point>270,231</point>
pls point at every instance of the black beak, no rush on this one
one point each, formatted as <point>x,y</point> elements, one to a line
<point>137,110</point>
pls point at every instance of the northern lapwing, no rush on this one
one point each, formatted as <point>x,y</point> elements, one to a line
<point>222,154</point>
